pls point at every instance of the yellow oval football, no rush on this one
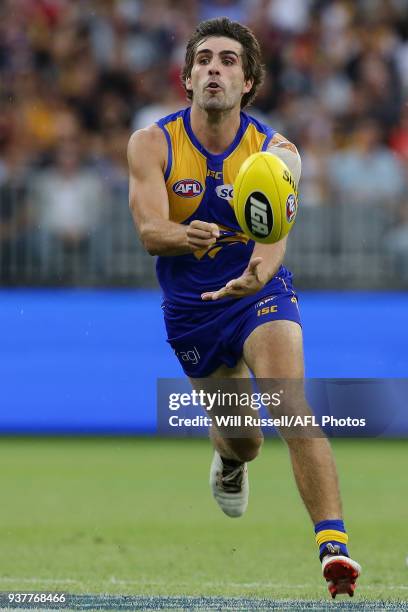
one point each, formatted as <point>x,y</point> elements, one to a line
<point>265,198</point>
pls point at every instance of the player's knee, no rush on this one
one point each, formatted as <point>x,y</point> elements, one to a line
<point>247,449</point>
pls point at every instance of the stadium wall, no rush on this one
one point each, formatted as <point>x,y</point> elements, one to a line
<point>87,361</point>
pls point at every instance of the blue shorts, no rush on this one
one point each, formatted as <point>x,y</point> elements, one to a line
<point>203,339</point>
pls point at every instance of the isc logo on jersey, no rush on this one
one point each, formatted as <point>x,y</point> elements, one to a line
<point>188,188</point>
<point>225,192</point>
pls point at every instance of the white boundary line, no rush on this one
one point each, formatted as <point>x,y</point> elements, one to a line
<point>245,585</point>
<point>42,580</point>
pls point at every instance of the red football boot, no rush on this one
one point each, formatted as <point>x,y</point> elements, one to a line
<point>341,574</point>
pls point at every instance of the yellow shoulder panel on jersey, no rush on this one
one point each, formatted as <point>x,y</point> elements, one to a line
<point>186,182</point>
<point>251,142</point>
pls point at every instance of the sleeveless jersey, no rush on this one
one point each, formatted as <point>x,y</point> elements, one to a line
<point>199,186</point>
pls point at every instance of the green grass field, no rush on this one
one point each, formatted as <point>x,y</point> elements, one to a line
<point>135,516</point>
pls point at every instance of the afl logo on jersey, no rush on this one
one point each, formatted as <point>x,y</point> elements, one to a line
<point>188,188</point>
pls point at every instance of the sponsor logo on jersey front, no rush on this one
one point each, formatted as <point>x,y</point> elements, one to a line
<point>258,214</point>
<point>188,188</point>
<point>291,207</point>
<point>225,192</point>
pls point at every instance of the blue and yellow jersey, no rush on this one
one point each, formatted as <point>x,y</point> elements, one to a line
<point>199,186</point>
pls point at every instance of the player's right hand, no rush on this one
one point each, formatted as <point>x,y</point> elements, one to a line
<point>201,235</point>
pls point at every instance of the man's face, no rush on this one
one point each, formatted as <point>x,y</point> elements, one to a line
<point>217,77</point>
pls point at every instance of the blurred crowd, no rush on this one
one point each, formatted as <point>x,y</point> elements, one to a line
<point>78,76</point>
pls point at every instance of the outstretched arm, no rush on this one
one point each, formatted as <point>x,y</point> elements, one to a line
<point>272,254</point>
<point>266,258</point>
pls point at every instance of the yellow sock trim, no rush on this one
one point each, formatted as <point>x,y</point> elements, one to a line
<point>327,535</point>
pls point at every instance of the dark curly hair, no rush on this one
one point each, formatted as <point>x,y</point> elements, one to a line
<point>251,58</point>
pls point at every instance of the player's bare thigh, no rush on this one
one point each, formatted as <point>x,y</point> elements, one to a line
<point>275,350</point>
<point>274,353</point>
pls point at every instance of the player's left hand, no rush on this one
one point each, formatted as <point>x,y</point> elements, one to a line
<point>248,283</point>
